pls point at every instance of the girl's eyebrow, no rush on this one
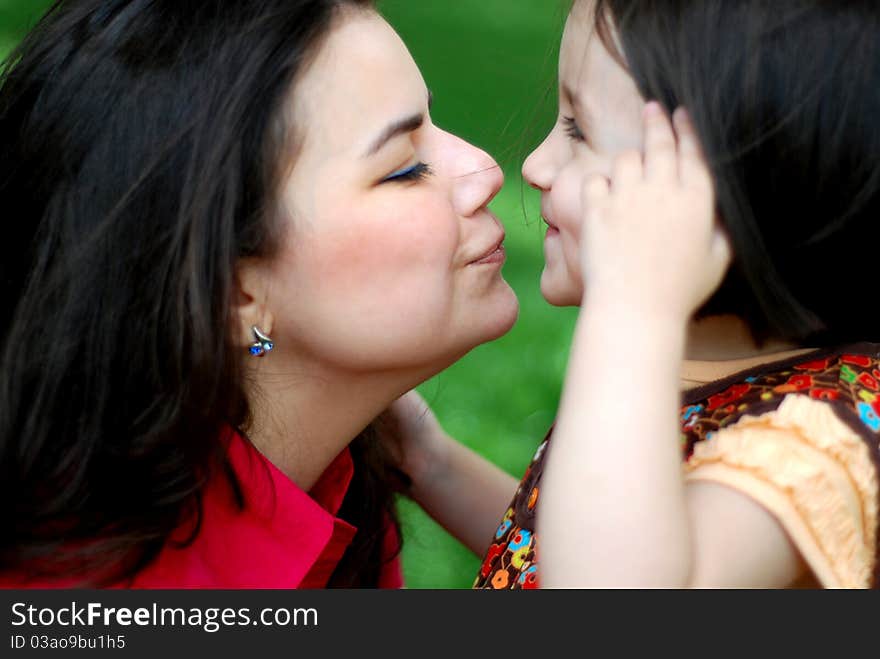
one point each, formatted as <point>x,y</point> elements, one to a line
<point>575,101</point>
<point>399,127</point>
<point>570,96</point>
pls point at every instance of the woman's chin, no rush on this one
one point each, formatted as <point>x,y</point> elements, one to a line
<point>502,314</point>
<point>493,318</point>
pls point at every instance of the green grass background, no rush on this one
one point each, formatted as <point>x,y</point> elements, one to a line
<point>491,65</point>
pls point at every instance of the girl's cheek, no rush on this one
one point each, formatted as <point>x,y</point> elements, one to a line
<point>569,215</point>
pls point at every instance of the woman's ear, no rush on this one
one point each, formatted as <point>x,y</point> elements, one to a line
<point>249,303</point>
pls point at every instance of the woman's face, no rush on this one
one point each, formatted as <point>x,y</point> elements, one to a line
<point>391,259</point>
<point>599,117</point>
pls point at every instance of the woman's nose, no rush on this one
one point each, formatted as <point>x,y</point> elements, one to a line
<point>477,178</point>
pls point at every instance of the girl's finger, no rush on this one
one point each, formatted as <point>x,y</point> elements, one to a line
<point>721,248</point>
<point>692,167</point>
<point>627,169</point>
<point>595,191</point>
<point>660,147</point>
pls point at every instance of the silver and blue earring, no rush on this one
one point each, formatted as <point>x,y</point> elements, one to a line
<point>262,345</point>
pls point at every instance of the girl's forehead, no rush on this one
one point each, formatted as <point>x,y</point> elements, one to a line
<point>583,62</point>
<point>602,94</point>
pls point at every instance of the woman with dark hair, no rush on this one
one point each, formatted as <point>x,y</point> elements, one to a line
<point>237,239</point>
<point>728,256</point>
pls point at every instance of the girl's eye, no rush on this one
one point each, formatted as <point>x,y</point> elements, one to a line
<point>417,172</point>
<point>572,130</point>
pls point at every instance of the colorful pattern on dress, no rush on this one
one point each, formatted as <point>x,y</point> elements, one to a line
<point>511,562</point>
<point>848,379</point>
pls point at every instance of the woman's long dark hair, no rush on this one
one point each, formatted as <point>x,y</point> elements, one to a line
<point>785,95</point>
<point>142,149</point>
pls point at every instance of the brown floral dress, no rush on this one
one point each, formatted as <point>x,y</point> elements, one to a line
<point>800,436</point>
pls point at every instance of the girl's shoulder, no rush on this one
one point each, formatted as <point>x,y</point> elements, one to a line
<point>846,378</point>
<point>800,437</point>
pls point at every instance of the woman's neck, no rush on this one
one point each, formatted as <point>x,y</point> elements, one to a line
<point>304,416</point>
<point>719,346</point>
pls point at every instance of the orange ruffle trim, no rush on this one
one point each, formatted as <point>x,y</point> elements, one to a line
<point>813,473</point>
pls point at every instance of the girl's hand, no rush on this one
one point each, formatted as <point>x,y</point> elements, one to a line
<point>651,241</point>
<point>421,446</point>
<point>463,491</point>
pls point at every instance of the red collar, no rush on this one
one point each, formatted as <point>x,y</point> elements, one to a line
<point>284,537</point>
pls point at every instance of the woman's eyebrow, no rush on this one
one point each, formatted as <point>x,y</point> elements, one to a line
<point>399,127</point>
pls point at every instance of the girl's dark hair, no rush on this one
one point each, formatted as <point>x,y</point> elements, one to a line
<point>143,147</point>
<point>785,96</point>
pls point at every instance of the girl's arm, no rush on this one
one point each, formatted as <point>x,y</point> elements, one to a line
<point>614,509</point>
<point>463,491</point>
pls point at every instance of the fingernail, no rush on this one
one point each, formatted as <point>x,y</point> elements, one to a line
<point>653,109</point>
<point>682,114</point>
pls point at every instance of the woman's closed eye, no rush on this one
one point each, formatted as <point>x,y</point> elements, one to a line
<point>416,172</point>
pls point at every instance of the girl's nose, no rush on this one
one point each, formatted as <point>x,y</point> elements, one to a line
<point>537,170</point>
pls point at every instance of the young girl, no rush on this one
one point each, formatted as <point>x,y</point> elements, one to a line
<point>761,317</point>
<point>237,238</point>
<point>779,421</point>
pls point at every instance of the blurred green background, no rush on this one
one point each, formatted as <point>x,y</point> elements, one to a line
<point>491,65</point>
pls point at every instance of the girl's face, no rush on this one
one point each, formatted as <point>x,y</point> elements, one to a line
<point>599,117</point>
<point>391,259</point>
